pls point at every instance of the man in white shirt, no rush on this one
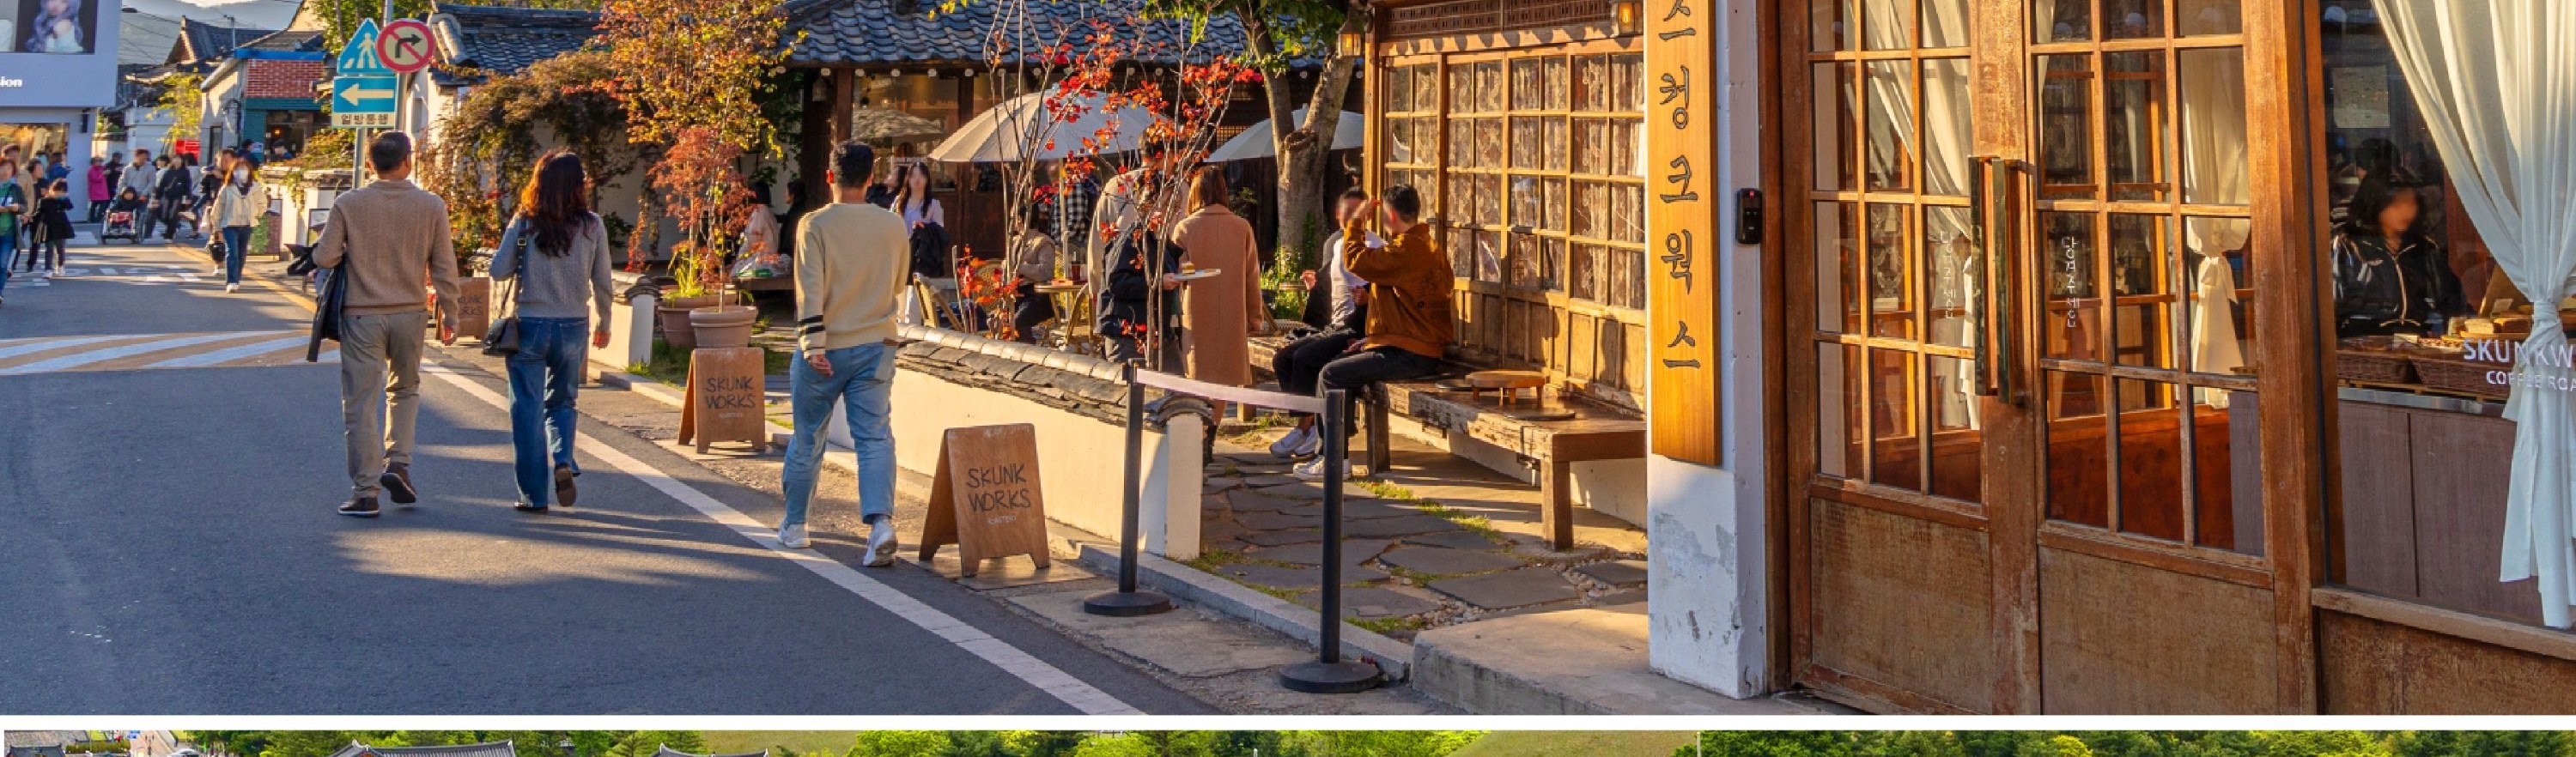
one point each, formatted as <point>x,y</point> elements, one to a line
<point>1301,362</point>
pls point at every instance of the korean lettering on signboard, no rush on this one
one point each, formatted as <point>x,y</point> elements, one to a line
<point>1681,216</point>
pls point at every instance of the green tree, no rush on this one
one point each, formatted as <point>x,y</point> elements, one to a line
<point>2320,744</point>
<point>900,744</point>
<point>1279,32</point>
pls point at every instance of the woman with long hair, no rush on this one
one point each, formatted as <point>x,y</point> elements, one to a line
<point>556,254</point>
<point>927,224</point>
<point>1219,312</point>
<point>2390,276</point>
<point>238,205</point>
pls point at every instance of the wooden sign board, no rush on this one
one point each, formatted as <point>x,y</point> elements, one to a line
<point>727,393</point>
<point>1684,194</point>
<point>985,496</point>
<point>473,307</point>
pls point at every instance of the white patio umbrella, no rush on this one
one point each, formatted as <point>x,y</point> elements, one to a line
<point>1020,128</point>
<point>1349,133</point>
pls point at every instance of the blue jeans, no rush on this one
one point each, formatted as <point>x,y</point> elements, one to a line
<point>551,351</point>
<point>236,245</point>
<point>8,249</point>
<point>862,382</point>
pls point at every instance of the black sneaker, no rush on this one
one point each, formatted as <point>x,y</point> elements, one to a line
<point>397,483</point>
<point>361,507</point>
<point>564,490</point>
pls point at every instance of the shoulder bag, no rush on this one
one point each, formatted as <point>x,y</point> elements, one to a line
<point>502,339</point>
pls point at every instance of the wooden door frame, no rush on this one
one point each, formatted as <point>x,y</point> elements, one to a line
<point>2283,68</point>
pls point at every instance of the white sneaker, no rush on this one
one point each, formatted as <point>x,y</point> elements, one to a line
<point>792,537</point>
<point>1313,470</point>
<point>881,543</point>
<point>1288,446</point>
<point>232,289</point>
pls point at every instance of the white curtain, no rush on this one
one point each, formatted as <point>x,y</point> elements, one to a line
<point>2496,80</point>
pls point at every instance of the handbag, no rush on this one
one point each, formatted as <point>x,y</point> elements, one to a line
<point>502,339</point>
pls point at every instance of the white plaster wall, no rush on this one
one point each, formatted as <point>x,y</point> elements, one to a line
<point>1081,461</point>
<point>1614,487</point>
<point>1708,580</point>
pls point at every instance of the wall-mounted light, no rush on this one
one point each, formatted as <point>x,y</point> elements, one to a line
<point>1627,17</point>
<point>1353,43</point>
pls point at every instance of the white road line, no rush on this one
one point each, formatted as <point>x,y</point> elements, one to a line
<point>41,345</point>
<point>112,353</point>
<point>1055,682</point>
<point>229,354</point>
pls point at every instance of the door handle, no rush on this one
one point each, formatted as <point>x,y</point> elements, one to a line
<point>1981,240</point>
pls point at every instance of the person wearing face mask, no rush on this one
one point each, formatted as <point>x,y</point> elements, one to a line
<point>238,205</point>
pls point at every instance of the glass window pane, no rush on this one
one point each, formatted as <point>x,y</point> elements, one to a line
<point>1957,442</point>
<point>1627,83</point>
<point>2143,273</point>
<point>1950,260</point>
<point>1526,202</point>
<point>1556,143</point>
<point>1592,210</point>
<point>2077,455</point>
<point>1838,431</point>
<point>1553,273</point>
<point>1583,273</point>
<point>1399,143</point>
<point>2227,480</point>
<point>1462,143</point>
<point>1528,144</point>
<point>2071,326</point>
<point>1426,88</point>
<point>1947,140</point>
<point>1837,263</point>
<point>1591,146</point>
<point>1890,137</point>
<point>1891,272</point>
<point>1945,23</point>
<point>1529,91</point>
<point>1895,437</point>
<point>2133,19</point>
<point>2212,83</point>
<point>2151,476</point>
<point>1627,278</point>
<point>1827,22</point>
<point>2220,312</point>
<point>1558,91</point>
<point>1489,202</point>
<point>1489,87</point>
<point>1624,148</point>
<point>1489,143</point>
<point>2066,126</point>
<point>2061,20</point>
<point>2201,17</point>
<point>1592,83</point>
<point>1489,256</point>
<point>1399,90</point>
<point>1836,120</point>
<point>2133,126</point>
<point>1524,263</point>
<point>1553,206</point>
<point>1886,25</point>
<point>1628,213</point>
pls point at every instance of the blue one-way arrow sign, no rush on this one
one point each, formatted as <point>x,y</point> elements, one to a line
<point>362,102</point>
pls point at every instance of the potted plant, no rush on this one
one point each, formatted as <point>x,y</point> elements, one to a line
<point>711,202</point>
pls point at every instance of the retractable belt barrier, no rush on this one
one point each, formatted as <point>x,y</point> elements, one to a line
<point>1329,673</point>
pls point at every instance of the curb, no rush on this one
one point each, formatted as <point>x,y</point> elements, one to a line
<point>1234,600</point>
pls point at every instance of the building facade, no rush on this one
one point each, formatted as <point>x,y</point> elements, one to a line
<point>54,81</point>
<point>2034,356</point>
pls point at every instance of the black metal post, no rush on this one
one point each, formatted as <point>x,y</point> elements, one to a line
<point>1129,601</point>
<point>1330,674</point>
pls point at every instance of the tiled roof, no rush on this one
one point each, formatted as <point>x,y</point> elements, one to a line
<point>289,41</point>
<point>45,738</point>
<point>888,33</point>
<point>199,40</point>
<point>487,749</point>
<point>508,40</point>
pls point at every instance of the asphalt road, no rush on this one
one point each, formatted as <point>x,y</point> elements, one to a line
<point>167,546</point>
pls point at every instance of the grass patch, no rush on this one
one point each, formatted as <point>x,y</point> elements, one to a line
<point>801,742</point>
<point>1385,490</point>
<point>1388,626</point>
<point>1482,525</point>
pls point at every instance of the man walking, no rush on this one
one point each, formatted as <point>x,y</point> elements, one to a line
<point>852,260</point>
<point>385,237</point>
<point>169,198</point>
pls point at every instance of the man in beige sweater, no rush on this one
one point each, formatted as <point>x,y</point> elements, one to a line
<point>386,238</point>
<point>852,260</point>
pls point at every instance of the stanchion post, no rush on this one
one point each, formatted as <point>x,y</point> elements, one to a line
<point>1129,601</point>
<point>1330,674</point>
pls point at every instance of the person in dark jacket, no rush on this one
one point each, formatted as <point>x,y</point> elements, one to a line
<point>169,199</point>
<point>53,226</point>
<point>1127,303</point>
<point>2390,276</point>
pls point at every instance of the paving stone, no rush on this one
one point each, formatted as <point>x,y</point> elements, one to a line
<point>1249,458</point>
<point>1354,551</point>
<point>1277,538</point>
<point>1357,509</point>
<point>1409,525</point>
<point>1248,502</point>
<point>1272,479</point>
<point>1277,521</point>
<point>1215,484</point>
<point>1296,578</point>
<point>1443,561</point>
<point>1461,539</point>
<point>1372,603</point>
<point>1509,589</point>
<point>1313,490</point>
<point>1616,573</point>
<point>1266,469</point>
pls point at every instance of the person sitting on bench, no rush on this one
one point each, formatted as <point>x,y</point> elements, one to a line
<point>1409,326</point>
<point>1299,364</point>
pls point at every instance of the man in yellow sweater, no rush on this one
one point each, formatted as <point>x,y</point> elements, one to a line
<point>852,260</point>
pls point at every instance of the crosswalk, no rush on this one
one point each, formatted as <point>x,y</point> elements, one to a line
<point>120,352</point>
<point>123,274</point>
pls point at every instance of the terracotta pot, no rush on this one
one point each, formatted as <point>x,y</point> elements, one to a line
<point>723,327</point>
<point>673,314</point>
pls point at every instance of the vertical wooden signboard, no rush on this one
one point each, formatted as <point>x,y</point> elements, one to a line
<point>727,393</point>
<point>473,307</point>
<point>985,497</point>
<point>1683,198</point>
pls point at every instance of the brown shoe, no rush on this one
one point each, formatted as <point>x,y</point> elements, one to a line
<point>564,490</point>
<point>397,483</point>
<point>361,507</point>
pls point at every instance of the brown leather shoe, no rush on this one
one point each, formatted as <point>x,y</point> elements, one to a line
<point>361,507</point>
<point>397,483</point>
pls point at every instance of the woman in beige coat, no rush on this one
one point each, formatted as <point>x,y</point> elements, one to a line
<point>1220,312</point>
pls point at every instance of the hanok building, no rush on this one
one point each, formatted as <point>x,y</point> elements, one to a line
<point>485,749</point>
<point>478,42</point>
<point>196,48</point>
<point>262,91</point>
<point>2036,356</point>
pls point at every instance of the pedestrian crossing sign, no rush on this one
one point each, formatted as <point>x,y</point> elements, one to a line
<point>358,57</point>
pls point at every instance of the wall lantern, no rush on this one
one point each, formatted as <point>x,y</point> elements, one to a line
<point>1353,43</point>
<point>1627,16</point>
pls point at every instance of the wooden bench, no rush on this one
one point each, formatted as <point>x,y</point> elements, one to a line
<point>1588,431</point>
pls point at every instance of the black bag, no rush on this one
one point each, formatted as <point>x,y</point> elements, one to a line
<point>333,293</point>
<point>930,252</point>
<point>502,339</point>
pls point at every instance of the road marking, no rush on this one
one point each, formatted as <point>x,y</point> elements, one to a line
<point>17,348</point>
<point>229,349</point>
<point>111,353</point>
<point>1048,678</point>
<point>229,354</point>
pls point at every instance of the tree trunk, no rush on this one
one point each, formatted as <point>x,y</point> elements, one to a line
<point>1305,151</point>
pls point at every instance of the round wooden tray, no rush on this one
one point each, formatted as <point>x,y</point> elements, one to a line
<point>1194,275</point>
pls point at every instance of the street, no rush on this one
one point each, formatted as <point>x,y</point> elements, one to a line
<point>168,468</point>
